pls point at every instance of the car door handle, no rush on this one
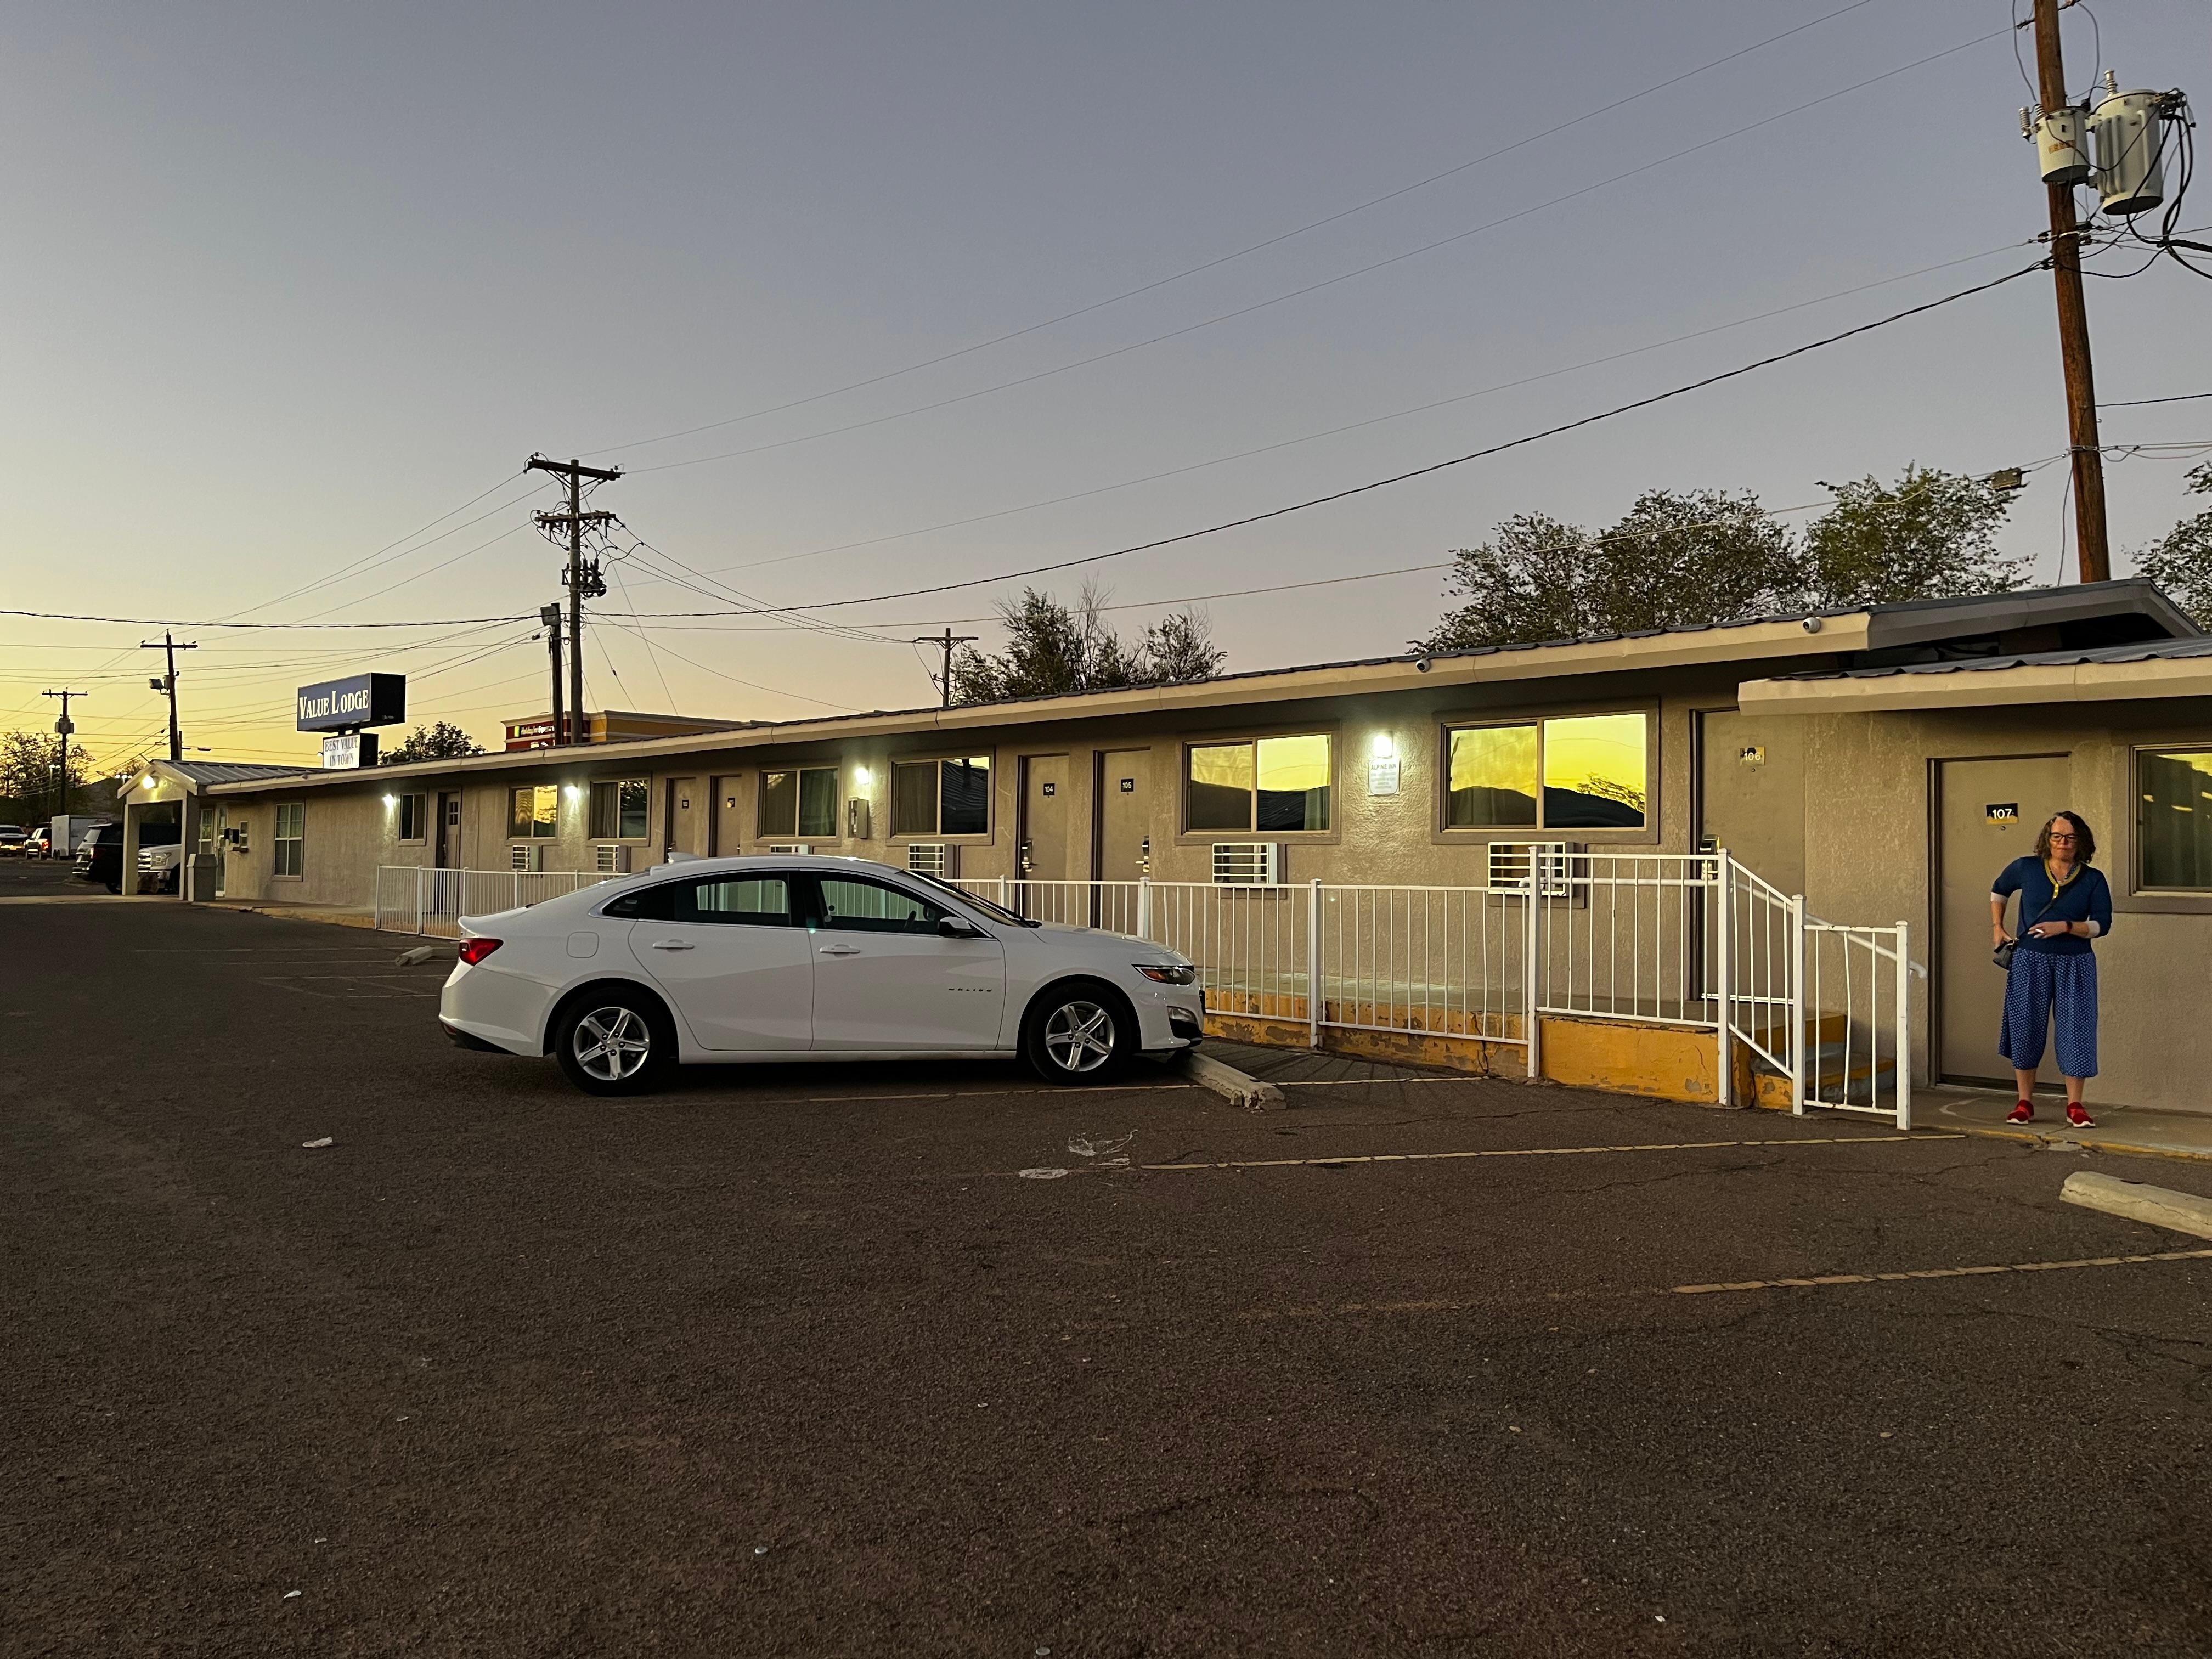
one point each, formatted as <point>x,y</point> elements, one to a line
<point>841,949</point>
<point>673,944</point>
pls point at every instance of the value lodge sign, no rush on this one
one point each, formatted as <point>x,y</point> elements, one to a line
<point>344,708</point>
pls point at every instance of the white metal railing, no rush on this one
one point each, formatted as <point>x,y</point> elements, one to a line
<point>1855,1048</point>
<point>410,899</point>
<point>1685,939</point>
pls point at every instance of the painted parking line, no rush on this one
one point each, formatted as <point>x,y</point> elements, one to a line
<point>1940,1272</point>
<point>1542,1152</point>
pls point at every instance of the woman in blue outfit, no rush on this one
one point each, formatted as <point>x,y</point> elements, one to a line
<point>2064,904</point>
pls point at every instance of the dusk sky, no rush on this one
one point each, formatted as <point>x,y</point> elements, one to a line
<point>285,284</point>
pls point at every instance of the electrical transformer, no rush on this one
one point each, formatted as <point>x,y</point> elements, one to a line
<point>2061,145</point>
<point>2129,135</point>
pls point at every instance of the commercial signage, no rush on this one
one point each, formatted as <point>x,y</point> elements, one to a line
<point>350,704</point>
<point>348,751</point>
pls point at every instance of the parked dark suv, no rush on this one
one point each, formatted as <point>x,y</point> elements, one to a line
<point>101,858</point>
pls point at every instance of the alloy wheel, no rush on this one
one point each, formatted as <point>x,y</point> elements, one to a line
<point>1079,1036</point>
<point>612,1044</point>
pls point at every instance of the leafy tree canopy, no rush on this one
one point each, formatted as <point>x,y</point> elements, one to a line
<point>2181,562</point>
<point>444,741</point>
<point>30,792</point>
<point>1053,648</point>
<point>1681,558</point>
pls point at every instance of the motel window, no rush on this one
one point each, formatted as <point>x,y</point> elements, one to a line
<point>1578,772</point>
<point>799,804</point>
<point>941,797</point>
<point>291,854</point>
<point>533,814</point>
<point>413,826</point>
<point>1271,785</point>
<point>619,809</point>
<point>2174,819</point>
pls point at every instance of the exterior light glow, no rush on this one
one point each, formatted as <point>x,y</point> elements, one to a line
<point>149,779</point>
<point>860,779</point>
<point>1384,743</point>
<point>574,793</point>
<point>392,800</point>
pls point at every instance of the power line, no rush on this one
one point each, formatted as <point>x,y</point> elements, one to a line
<point>1373,419</point>
<point>1330,281</point>
<point>1415,472</point>
<point>1251,248</point>
<point>158,621</point>
<point>2137,403</point>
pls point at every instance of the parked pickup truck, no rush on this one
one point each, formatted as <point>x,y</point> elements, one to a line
<point>101,858</point>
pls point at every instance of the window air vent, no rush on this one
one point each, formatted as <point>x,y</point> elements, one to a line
<point>529,856</point>
<point>933,858</point>
<point>1248,863</point>
<point>789,847</point>
<point>612,860</point>
<point>1509,862</point>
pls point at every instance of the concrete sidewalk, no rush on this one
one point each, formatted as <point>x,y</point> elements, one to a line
<point>336,914</point>
<point>2119,1128</point>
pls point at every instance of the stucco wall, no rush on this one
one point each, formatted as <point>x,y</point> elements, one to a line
<point>1869,859</point>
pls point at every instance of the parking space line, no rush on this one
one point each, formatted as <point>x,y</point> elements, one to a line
<point>1940,1272</point>
<point>1543,1152</point>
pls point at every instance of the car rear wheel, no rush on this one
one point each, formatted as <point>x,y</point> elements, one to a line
<point>615,1042</point>
<point>1080,1033</point>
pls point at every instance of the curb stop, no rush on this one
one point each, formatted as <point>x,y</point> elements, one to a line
<point>1231,1084</point>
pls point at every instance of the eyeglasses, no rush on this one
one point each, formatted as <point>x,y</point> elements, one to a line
<point>2056,836</point>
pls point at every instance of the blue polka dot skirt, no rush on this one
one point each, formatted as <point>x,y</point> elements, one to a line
<point>2039,983</point>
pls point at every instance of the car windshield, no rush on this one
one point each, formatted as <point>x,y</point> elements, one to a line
<point>996,912</point>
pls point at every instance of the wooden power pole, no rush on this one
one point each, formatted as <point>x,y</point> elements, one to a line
<point>2089,534</point>
<point>168,683</point>
<point>575,519</point>
<point>947,640</point>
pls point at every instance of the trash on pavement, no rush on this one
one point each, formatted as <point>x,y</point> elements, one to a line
<point>316,1146</point>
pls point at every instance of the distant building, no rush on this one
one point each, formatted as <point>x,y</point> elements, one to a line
<point>612,725</point>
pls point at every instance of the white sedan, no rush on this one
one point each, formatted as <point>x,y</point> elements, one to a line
<point>752,959</point>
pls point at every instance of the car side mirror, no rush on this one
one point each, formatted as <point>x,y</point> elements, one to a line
<point>953,927</point>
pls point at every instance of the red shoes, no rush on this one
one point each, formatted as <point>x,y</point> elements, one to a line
<point>2077,1117</point>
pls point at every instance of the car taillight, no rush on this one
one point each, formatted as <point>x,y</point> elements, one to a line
<point>474,950</point>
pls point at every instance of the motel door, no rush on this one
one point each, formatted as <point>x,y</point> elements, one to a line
<point>1751,793</point>
<point>1044,823</point>
<point>449,829</point>
<point>1989,813</point>
<point>729,833</point>
<point>1125,815</point>
<point>687,816</point>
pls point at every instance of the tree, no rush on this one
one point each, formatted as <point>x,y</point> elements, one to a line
<point>2181,562</point>
<point>1673,560</point>
<point>444,741</point>
<point>1053,648</point>
<point>1932,535</point>
<point>30,791</point>
<point>1681,559</point>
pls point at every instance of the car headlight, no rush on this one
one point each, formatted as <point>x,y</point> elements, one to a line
<point>1167,973</point>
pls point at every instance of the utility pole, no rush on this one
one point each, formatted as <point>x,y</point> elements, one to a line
<point>948,639</point>
<point>168,682</point>
<point>550,615</point>
<point>2089,535</point>
<point>64,726</point>
<point>575,519</point>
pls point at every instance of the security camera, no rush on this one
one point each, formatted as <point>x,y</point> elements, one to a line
<point>1423,664</point>
<point>1812,624</point>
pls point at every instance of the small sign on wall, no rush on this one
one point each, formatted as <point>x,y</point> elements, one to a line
<point>1128,785</point>
<point>1383,775</point>
<point>1753,754</point>
<point>1052,788</point>
<point>2003,813</point>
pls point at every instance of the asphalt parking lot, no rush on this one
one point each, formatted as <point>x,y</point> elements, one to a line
<point>926,1360</point>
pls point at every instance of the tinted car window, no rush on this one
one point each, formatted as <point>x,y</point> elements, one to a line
<point>654,903</point>
<point>869,906</point>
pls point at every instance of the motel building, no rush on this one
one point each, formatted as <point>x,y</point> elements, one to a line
<point>1744,863</point>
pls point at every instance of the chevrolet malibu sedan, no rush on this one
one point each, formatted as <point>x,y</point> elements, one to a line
<point>719,961</point>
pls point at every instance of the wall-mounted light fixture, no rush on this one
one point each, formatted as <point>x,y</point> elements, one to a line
<point>1383,744</point>
<point>391,801</point>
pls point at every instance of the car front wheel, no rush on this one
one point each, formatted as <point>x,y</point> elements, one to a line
<point>1080,1033</point>
<point>615,1043</point>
